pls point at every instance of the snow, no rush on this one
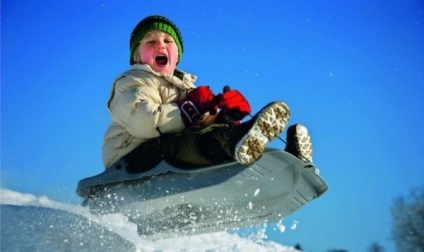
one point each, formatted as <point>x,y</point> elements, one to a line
<point>256,192</point>
<point>73,227</point>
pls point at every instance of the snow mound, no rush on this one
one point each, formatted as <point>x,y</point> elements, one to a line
<point>38,223</point>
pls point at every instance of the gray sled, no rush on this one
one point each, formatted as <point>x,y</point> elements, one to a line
<point>170,202</point>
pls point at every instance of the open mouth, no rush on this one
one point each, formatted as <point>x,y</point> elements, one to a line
<point>161,60</point>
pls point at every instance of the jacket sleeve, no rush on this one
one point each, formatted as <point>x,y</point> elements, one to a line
<point>139,106</point>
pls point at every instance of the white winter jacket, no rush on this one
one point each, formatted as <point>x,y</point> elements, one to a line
<point>141,105</point>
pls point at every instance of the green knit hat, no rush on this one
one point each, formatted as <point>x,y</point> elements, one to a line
<point>155,23</point>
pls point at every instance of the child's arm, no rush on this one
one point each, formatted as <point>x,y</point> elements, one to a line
<point>139,108</point>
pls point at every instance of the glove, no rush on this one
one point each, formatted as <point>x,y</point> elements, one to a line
<point>234,107</point>
<point>197,103</point>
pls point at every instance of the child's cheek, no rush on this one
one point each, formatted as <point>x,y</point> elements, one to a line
<point>146,55</point>
<point>173,51</point>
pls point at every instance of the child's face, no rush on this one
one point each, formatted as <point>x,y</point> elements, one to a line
<point>159,50</point>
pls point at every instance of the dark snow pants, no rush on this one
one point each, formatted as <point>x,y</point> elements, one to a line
<point>192,148</point>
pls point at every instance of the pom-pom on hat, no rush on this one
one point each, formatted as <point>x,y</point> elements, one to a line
<point>155,23</point>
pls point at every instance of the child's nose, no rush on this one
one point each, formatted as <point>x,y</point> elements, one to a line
<point>161,44</point>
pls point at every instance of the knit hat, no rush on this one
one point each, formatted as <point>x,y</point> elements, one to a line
<point>155,23</point>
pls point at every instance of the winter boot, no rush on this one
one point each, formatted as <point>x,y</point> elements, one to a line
<point>299,142</point>
<point>249,140</point>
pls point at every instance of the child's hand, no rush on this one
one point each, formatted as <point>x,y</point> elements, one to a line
<point>197,103</point>
<point>233,103</point>
<point>202,98</point>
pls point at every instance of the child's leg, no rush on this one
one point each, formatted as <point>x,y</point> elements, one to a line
<point>145,156</point>
<point>197,147</point>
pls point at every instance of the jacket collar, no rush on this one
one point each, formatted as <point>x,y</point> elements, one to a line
<point>182,80</point>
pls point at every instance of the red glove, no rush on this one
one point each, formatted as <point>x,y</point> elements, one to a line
<point>233,105</point>
<point>197,102</point>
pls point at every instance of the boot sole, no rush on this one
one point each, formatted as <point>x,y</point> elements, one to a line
<point>304,143</point>
<point>268,124</point>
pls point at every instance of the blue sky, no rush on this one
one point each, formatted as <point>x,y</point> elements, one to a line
<point>351,71</point>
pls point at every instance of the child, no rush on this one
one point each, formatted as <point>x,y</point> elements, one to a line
<point>158,113</point>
